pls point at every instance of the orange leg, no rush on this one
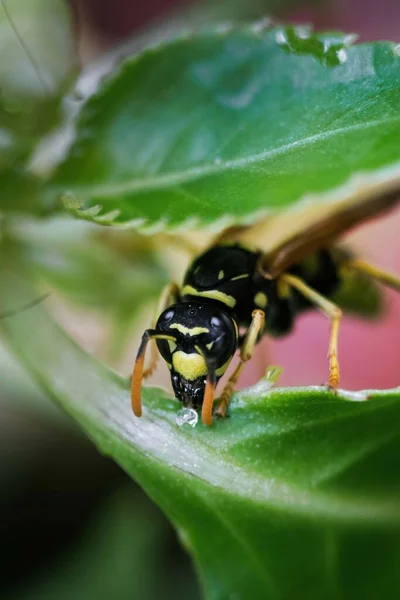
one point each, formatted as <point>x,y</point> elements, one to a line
<point>333,312</point>
<point>208,400</point>
<point>246,352</point>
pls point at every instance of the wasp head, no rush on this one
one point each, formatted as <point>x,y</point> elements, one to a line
<point>205,340</point>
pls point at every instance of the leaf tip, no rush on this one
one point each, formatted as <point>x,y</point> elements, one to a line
<point>71,202</point>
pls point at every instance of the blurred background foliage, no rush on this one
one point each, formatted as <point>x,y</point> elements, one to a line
<point>72,524</point>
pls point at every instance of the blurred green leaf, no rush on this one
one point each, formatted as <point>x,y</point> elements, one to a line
<point>295,496</point>
<point>81,262</point>
<point>37,59</point>
<point>232,124</point>
<point>116,276</point>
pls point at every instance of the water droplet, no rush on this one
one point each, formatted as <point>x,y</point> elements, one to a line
<point>187,416</point>
<point>397,49</point>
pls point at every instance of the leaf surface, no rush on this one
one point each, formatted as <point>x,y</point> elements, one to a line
<point>233,124</point>
<point>295,496</point>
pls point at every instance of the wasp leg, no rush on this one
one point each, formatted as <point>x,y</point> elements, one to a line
<point>169,295</point>
<point>137,376</point>
<point>333,312</point>
<point>208,400</point>
<point>390,279</point>
<point>246,352</point>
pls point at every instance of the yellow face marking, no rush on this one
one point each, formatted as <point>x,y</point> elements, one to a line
<point>190,366</point>
<point>240,277</point>
<point>213,294</point>
<point>260,300</point>
<point>189,330</point>
<point>221,275</point>
<point>210,345</point>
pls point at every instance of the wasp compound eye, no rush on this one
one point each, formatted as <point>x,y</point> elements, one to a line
<point>168,315</point>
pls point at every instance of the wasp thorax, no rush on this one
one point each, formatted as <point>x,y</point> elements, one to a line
<point>201,338</point>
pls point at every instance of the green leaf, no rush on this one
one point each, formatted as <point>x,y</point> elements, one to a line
<point>88,266</point>
<point>233,124</point>
<point>295,496</point>
<point>36,64</point>
<point>113,276</point>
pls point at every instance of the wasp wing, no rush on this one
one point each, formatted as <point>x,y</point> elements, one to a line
<point>359,295</point>
<point>289,237</point>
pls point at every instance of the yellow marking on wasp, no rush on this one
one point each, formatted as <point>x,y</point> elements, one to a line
<point>189,330</point>
<point>236,329</point>
<point>210,345</point>
<point>197,269</point>
<point>221,274</point>
<point>172,346</point>
<point>190,366</point>
<point>221,370</point>
<point>213,294</point>
<point>260,300</point>
<point>283,289</point>
<point>240,277</point>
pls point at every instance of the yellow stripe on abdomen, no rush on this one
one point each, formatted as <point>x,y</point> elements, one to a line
<point>230,301</point>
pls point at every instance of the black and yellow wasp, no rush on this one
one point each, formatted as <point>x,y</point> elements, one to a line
<point>234,286</point>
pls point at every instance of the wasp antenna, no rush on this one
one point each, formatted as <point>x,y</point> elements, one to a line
<point>31,304</point>
<point>137,375</point>
<point>32,59</point>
